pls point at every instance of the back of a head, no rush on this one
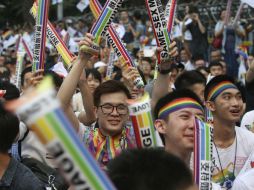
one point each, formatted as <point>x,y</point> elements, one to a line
<point>189,78</point>
<point>108,87</point>
<point>9,128</point>
<point>149,169</point>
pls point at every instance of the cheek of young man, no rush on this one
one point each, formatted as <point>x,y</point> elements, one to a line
<point>180,129</point>
<point>112,124</point>
<point>230,103</point>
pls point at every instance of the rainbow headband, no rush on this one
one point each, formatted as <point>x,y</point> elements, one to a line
<point>178,104</point>
<point>219,88</point>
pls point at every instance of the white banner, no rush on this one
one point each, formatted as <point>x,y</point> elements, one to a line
<point>249,2</point>
<point>82,5</point>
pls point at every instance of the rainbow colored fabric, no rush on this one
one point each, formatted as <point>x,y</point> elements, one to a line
<point>219,88</point>
<point>141,117</point>
<point>178,104</point>
<point>203,150</point>
<point>105,148</point>
<point>42,112</point>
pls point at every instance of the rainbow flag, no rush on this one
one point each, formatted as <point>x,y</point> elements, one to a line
<point>159,25</point>
<point>203,149</point>
<point>114,40</point>
<point>40,35</point>
<point>41,111</point>
<point>140,113</point>
<point>56,40</point>
<point>107,15</point>
<point>170,15</point>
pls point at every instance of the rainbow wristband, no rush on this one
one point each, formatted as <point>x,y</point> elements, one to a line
<point>156,15</point>
<point>140,113</point>
<point>203,151</point>
<point>41,111</point>
<point>56,40</point>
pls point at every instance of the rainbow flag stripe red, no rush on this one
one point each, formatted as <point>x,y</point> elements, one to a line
<point>203,148</point>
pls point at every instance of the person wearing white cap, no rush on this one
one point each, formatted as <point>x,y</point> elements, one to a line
<point>248,121</point>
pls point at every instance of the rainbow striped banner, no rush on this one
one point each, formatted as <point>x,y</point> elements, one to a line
<point>203,149</point>
<point>56,40</point>
<point>110,66</point>
<point>170,15</point>
<point>114,40</point>
<point>112,36</point>
<point>19,62</point>
<point>40,35</point>
<point>159,25</point>
<point>107,15</point>
<point>27,49</point>
<point>41,111</point>
<point>140,113</point>
<point>208,116</point>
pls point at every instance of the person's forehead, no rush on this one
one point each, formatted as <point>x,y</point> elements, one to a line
<point>189,111</point>
<point>232,91</point>
<point>114,98</point>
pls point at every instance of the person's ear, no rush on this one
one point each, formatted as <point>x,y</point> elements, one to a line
<point>160,126</point>
<point>210,105</point>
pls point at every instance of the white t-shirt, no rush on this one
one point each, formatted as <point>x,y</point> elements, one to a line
<point>244,181</point>
<point>230,165</point>
<point>248,120</point>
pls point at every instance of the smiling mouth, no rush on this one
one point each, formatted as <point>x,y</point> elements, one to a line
<point>114,122</point>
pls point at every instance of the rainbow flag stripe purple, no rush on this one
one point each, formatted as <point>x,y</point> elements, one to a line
<point>203,147</point>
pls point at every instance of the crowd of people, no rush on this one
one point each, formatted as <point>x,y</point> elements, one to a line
<point>218,77</point>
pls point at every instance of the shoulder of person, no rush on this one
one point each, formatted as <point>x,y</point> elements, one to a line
<point>245,136</point>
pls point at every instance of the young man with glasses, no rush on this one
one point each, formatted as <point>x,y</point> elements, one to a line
<point>111,132</point>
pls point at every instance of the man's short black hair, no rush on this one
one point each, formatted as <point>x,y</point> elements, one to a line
<point>213,64</point>
<point>215,81</point>
<point>24,72</point>
<point>11,90</point>
<point>95,73</point>
<point>149,169</point>
<point>9,128</point>
<point>108,87</point>
<point>189,78</point>
<point>193,9</point>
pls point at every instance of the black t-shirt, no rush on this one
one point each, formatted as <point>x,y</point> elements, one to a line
<point>199,43</point>
<point>249,96</point>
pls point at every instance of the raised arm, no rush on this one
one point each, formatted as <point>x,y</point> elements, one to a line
<point>161,84</point>
<point>69,85</point>
<point>88,116</point>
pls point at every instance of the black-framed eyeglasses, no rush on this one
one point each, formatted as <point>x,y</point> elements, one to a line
<point>109,108</point>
